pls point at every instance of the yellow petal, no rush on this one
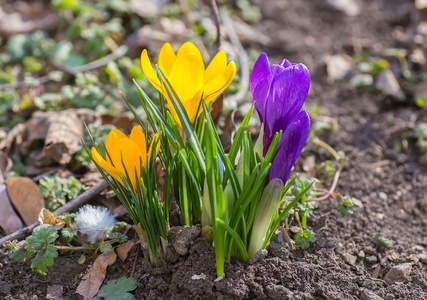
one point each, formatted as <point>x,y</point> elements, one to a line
<point>192,105</point>
<point>112,139</point>
<point>216,67</point>
<point>186,76</point>
<point>217,85</point>
<point>138,136</point>
<point>149,71</point>
<point>167,58</point>
<point>153,140</point>
<point>106,165</point>
<point>188,48</point>
<point>127,150</point>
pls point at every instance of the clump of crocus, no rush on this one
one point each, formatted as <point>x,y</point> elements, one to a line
<point>134,181</point>
<point>91,220</point>
<point>279,92</point>
<point>186,73</point>
<point>124,155</point>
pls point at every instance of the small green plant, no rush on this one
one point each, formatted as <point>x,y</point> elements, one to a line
<point>45,241</point>
<point>58,191</point>
<point>117,289</point>
<point>346,206</point>
<point>304,238</point>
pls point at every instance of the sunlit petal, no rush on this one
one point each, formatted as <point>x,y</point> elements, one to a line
<point>188,48</point>
<point>217,85</point>
<point>186,76</point>
<point>138,136</point>
<point>106,165</point>
<point>112,139</point>
<point>167,58</point>
<point>217,66</point>
<point>148,70</point>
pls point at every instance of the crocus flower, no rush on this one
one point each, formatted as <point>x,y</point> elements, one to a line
<point>279,92</point>
<point>186,73</point>
<point>126,153</point>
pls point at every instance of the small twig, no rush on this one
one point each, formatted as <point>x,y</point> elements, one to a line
<point>138,251</point>
<point>82,198</point>
<point>73,204</point>
<point>215,11</point>
<point>331,190</point>
<point>243,58</point>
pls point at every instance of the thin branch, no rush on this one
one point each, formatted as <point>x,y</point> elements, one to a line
<point>243,58</point>
<point>217,42</point>
<point>73,204</point>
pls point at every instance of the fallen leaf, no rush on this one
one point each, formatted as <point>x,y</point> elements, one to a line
<point>9,220</point>
<point>27,19</point>
<point>47,217</point>
<point>25,197</point>
<point>92,281</point>
<point>123,249</point>
<point>387,83</point>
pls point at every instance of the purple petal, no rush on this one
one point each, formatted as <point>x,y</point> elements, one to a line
<point>288,92</point>
<point>304,118</point>
<point>275,70</point>
<point>285,63</point>
<point>287,152</point>
<point>260,84</point>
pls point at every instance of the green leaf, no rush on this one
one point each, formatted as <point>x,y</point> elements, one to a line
<point>346,207</point>
<point>105,247</point>
<point>44,258</point>
<point>118,289</point>
<point>381,241</point>
<point>118,237</point>
<point>304,238</point>
<point>68,233</point>
<point>81,259</point>
<point>46,233</point>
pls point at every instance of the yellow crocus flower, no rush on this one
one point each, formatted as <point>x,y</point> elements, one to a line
<point>186,73</point>
<point>131,149</point>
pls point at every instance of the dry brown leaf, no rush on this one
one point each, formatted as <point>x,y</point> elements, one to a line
<point>47,217</point>
<point>25,197</point>
<point>92,281</point>
<point>9,220</point>
<point>123,249</point>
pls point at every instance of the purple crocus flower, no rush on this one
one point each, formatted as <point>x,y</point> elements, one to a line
<point>279,92</point>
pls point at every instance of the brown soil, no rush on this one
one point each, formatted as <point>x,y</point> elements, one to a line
<point>343,263</point>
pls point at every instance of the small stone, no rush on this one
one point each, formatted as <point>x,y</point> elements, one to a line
<point>398,273</point>
<point>54,291</point>
<point>392,255</point>
<point>361,254</point>
<point>261,254</point>
<point>371,259</point>
<point>183,237</point>
<point>338,66</point>
<point>349,7</point>
<point>382,195</point>
<point>275,291</point>
<point>423,257</point>
<point>198,277</point>
<point>370,250</point>
<point>369,295</point>
<point>418,248</point>
<point>387,83</point>
<point>350,259</point>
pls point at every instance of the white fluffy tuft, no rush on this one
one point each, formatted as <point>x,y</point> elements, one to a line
<point>90,219</point>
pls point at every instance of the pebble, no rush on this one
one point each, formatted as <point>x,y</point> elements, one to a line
<point>369,295</point>
<point>361,254</point>
<point>423,257</point>
<point>371,259</point>
<point>350,259</point>
<point>382,195</point>
<point>398,273</point>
